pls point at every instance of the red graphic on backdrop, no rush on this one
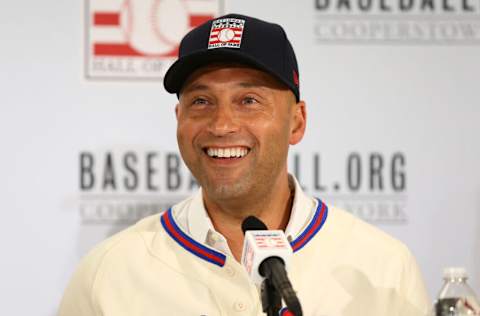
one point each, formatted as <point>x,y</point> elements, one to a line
<point>113,19</point>
<point>123,34</point>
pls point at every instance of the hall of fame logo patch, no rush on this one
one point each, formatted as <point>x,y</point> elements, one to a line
<point>226,33</point>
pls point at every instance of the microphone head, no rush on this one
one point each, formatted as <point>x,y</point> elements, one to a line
<point>260,244</point>
<point>253,223</point>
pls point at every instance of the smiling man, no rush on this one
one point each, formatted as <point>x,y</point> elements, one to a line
<point>239,110</point>
<point>235,124</point>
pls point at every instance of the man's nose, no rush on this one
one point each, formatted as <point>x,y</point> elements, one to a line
<point>224,121</point>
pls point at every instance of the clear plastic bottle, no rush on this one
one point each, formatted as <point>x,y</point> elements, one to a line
<point>456,298</point>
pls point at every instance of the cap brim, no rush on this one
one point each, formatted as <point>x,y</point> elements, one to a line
<point>180,70</point>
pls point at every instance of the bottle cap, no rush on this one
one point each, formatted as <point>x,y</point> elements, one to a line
<point>454,273</point>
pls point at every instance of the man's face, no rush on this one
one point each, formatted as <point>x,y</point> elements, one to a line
<point>235,125</point>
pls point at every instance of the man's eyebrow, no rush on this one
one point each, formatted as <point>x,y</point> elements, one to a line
<point>195,87</point>
<point>204,87</point>
<point>251,85</point>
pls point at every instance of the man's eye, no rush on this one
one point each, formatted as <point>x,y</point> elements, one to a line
<point>249,100</point>
<point>200,101</point>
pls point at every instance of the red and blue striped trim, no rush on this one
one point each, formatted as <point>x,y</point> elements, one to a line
<point>188,243</point>
<point>218,258</point>
<point>312,228</point>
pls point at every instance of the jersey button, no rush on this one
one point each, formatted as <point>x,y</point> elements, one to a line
<point>239,306</point>
<point>215,237</point>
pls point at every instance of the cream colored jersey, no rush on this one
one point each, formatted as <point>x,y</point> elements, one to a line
<point>340,266</point>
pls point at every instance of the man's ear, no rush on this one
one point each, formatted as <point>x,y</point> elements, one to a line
<point>299,122</point>
<point>176,110</point>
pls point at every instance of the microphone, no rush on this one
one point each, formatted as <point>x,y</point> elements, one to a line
<point>266,254</point>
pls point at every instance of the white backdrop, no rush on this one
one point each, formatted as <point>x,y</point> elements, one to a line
<point>88,140</point>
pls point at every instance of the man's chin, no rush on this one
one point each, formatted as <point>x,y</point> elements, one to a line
<point>227,191</point>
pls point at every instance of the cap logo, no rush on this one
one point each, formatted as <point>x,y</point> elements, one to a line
<point>295,78</point>
<point>226,33</point>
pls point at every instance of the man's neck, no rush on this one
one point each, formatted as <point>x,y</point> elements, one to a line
<point>273,209</point>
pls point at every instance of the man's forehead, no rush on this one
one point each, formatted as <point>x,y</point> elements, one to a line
<point>241,75</point>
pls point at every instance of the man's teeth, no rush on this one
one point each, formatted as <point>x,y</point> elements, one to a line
<point>234,152</point>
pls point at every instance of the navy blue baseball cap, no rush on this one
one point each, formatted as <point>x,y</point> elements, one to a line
<point>239,39</point>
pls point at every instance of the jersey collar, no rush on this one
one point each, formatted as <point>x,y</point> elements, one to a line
<point>189,225</point>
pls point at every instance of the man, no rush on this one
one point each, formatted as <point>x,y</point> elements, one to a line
<point>239,111</point>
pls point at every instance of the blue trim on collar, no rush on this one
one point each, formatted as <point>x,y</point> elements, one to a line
<point>312,229</point>
<point>188,243</point>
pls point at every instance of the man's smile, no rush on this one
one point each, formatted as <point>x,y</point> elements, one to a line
<point>226,152</point>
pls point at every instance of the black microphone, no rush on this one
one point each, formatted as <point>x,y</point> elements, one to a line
<point>266,253</point>
<point>253,223</point>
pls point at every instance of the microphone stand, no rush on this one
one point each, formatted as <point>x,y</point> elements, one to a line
<point>271,298</point>
<point>277,286</point>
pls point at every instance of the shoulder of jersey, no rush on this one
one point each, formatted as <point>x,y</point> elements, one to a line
<point>138,237</point>
<point>351,229</point>
<point>132,237</point>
